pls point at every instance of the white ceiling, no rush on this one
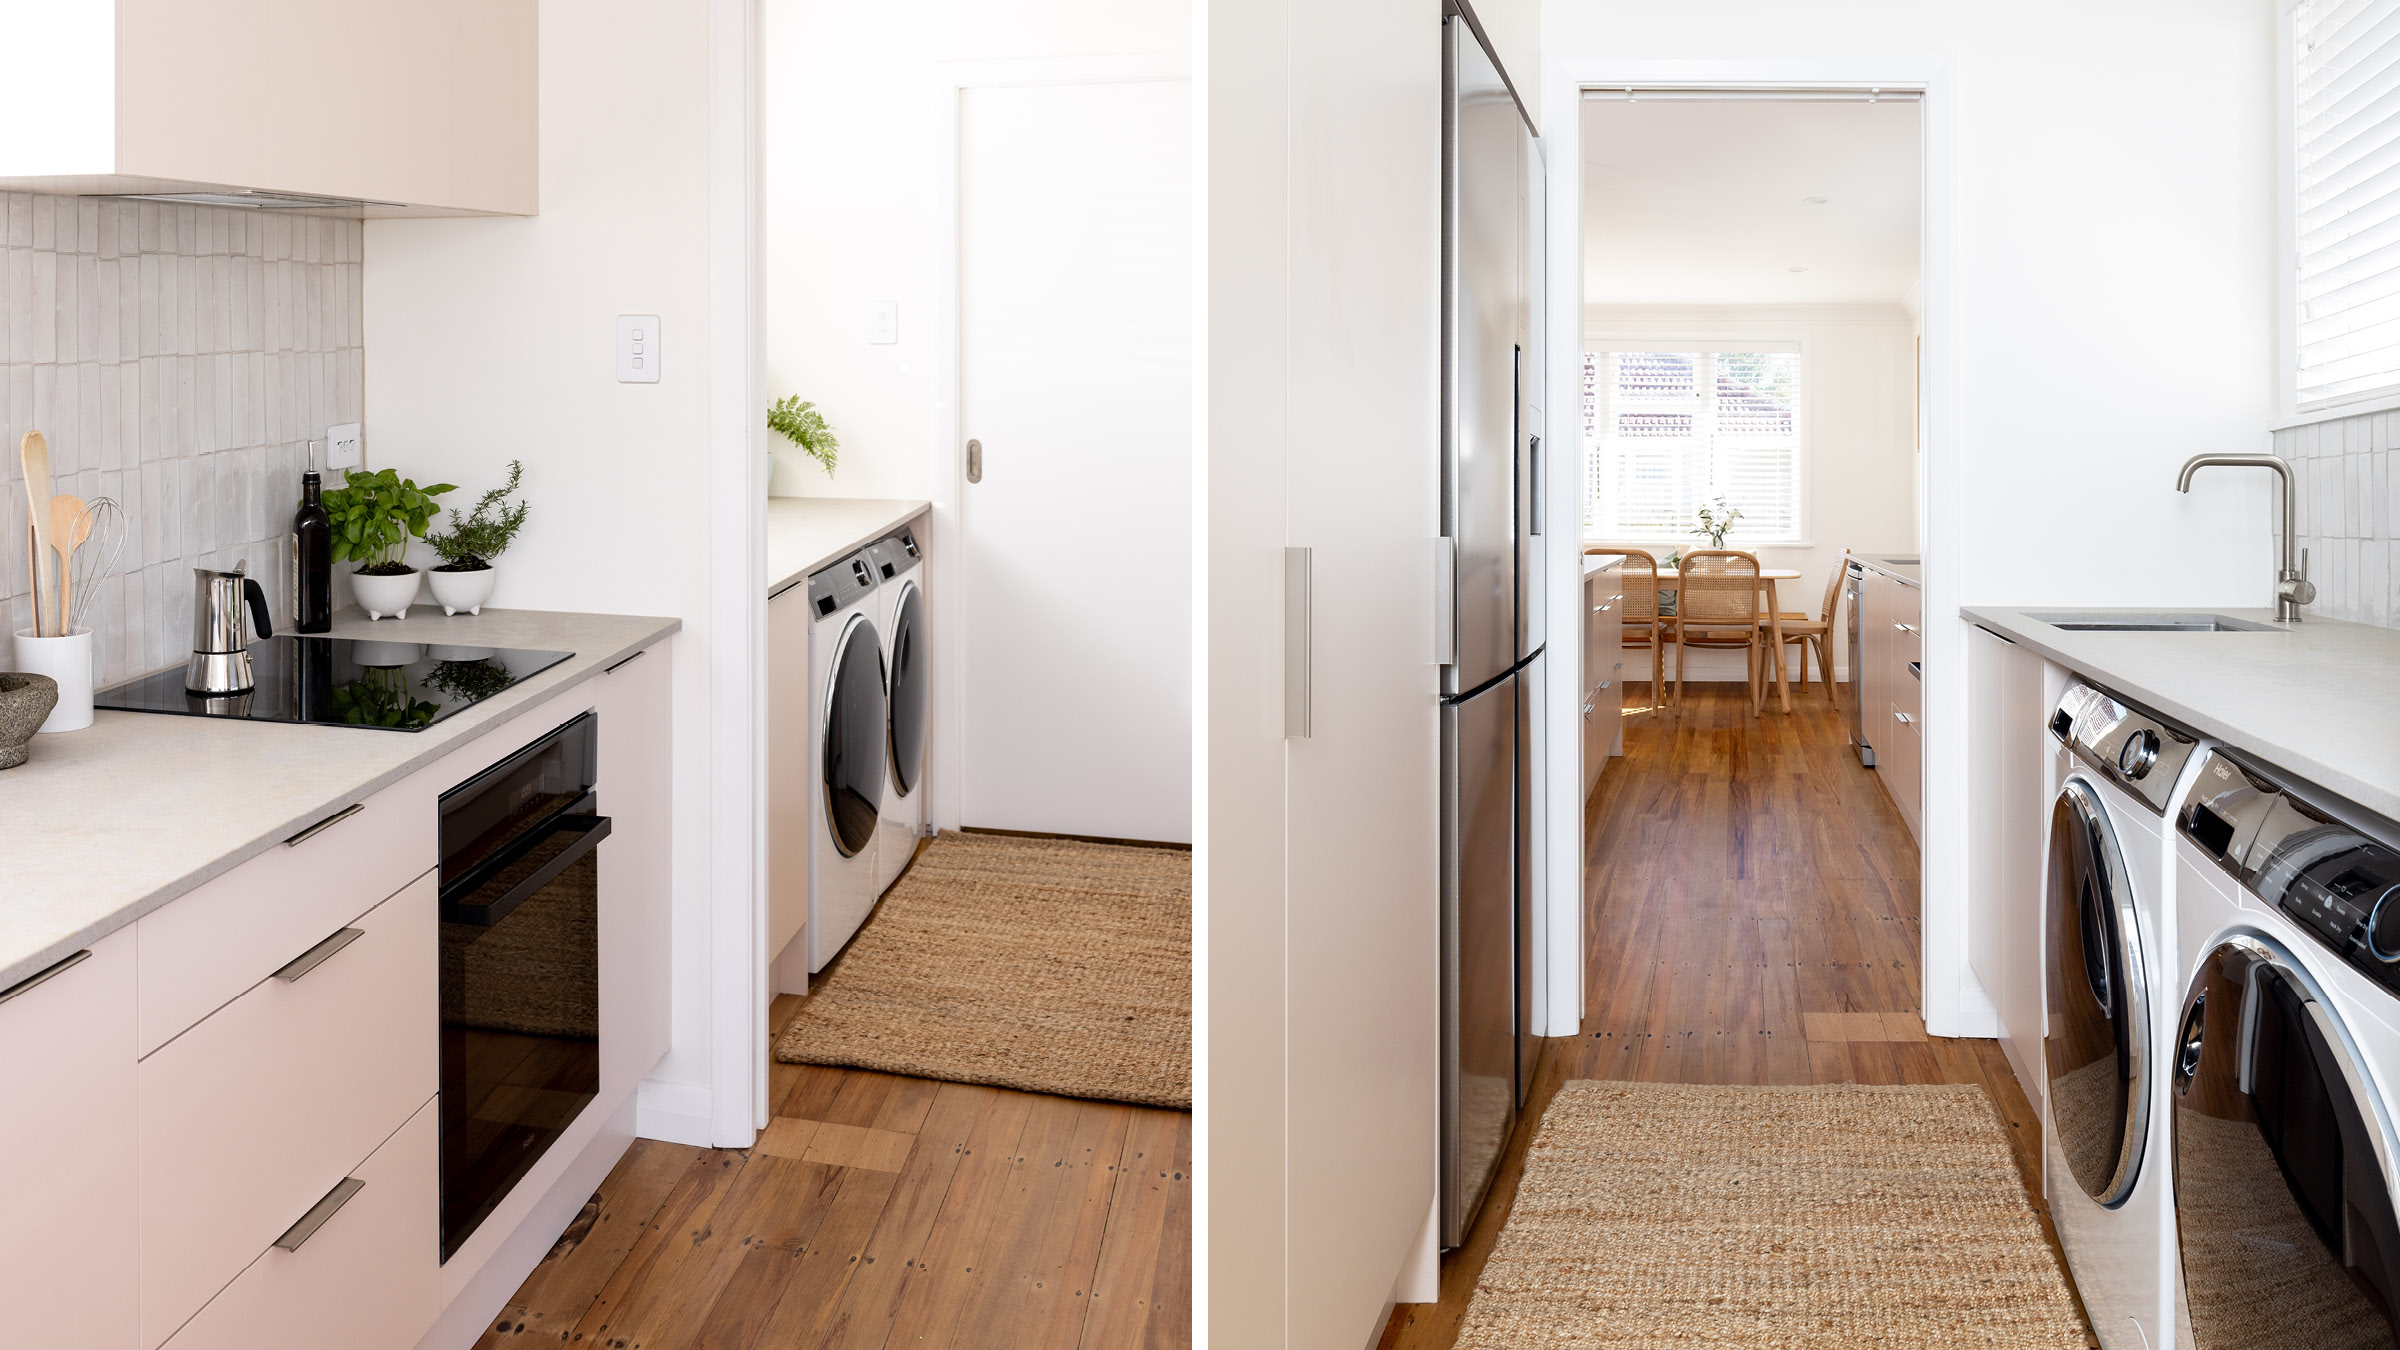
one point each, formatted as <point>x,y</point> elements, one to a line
<point>1690,202</point>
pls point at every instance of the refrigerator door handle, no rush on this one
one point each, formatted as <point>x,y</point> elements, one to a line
<point>1445,601</point>
<point>1297,622</point>
<point>1536,457</point>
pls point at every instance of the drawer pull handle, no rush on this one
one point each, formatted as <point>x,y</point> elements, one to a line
<point>1904,717</point>
<point>627,661</point>
<point>318,955</point>
<point>1903,628</point>
<point>319,1212</point>
<point>44,975</point>
<point>326,824</point>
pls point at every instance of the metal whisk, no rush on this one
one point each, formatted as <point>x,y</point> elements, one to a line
<point>100,528</point>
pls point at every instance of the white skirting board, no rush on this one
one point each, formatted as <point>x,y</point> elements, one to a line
<point>679,1113</point>
<point>1719,665</point>
<point>488,1291</point>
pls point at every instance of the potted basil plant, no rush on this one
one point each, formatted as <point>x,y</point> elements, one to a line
<point>374,515</point>
<point>466,576</point>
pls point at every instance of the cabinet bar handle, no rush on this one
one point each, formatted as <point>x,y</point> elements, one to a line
<point>1903,628</point>
<point>1904,717</point>
<point>319,1212</point>
<point>318,955</point>
<point>44,975</point>
<point>326,824</point>
<point>1299,702</point>
<point>633,658</point>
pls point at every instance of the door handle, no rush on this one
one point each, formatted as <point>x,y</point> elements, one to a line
<point>974,461</point>
<point>1537,483</point>
<point>1903,628</point>
<point>1445,601</point>
<point>1298,713</point>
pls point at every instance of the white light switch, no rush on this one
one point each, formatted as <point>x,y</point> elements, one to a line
<point>637,349</point>
<point>884,326</point>
<point>342,446</point>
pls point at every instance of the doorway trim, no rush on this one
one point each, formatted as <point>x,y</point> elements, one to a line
<point>1955,1003</point>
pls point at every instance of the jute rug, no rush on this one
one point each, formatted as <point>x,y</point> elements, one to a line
<point>1659,1214</point>
<point>1047,965</point>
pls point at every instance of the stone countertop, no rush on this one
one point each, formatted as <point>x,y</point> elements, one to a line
<point>1902,568</point>
<point>111,822</point>
<point>808,533</point>
<point>1600,562</point>
<point>2319,698</point>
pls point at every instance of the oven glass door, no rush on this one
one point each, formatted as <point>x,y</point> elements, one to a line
<point>520,971</point>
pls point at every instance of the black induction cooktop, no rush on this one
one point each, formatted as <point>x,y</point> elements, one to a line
<point>344,682</point>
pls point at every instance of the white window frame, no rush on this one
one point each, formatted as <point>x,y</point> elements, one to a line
<point>1803,460</point>
<point>2288,412</point>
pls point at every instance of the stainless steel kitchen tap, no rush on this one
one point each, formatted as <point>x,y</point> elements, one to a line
<point>2292,586</point>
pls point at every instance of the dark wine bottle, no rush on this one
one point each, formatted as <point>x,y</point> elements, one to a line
<point>312,560</point>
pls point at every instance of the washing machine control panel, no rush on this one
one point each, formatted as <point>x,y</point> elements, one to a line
<point>2335,873</point>
<point>2142,753</point>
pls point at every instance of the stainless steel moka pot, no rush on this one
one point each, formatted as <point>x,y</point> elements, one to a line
<point>220,638</point>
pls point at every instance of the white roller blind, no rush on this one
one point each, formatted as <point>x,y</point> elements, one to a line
<point>1668,428</point>
<point>2346,92</point>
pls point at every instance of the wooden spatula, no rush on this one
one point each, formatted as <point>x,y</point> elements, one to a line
<point>34,453</point>
<point>70,525</point>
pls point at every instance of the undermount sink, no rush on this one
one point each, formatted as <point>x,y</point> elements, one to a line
<point>2153,623</point>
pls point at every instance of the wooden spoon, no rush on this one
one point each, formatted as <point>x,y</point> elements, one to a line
<point>70,525</point>
<point>34,453</point>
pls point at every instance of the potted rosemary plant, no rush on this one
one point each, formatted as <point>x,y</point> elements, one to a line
<point>374,516</point>
<point>466,576</point>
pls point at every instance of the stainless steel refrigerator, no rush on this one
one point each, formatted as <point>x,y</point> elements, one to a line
<point>1492,623</point>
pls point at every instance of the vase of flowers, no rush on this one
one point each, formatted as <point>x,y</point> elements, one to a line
<point>1716,520</point>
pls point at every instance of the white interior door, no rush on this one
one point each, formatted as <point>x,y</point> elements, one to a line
<point>1075,379</point>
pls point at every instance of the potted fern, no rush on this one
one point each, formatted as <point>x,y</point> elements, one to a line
<point>466,576</point>
<point>800,423</point>
<point>374,516</point>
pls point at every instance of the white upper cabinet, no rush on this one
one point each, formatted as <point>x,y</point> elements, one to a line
<point>424,108</point>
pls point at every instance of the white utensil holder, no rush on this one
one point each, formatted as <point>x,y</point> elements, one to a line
<point>67,660</point>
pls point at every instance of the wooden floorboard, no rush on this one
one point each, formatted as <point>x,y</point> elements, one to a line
<point>879,1212</point>
<point>1750,911</point>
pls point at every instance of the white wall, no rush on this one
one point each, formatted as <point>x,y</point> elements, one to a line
<point>855,146</point>
<point>491,339</point>
<point>1858,410</point>
<point>1318,857</point>
<point>2097,307</point>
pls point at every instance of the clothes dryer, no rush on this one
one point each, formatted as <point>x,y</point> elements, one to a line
<point>847,696</point>
<point>900,605</point>
<point>2107,930</point>
<point>2284,1056</point>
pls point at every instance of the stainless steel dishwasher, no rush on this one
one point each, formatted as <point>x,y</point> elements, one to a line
<point>1855,585</point>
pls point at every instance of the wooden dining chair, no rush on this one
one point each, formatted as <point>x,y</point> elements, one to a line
<point>1817,631</point>
<point>1717,606</point>
<point>1643,625</point>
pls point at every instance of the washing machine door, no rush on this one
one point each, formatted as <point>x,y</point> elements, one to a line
<point>2283,1201</point>
<point>854,732</point>
<point>910,682</point>
<point>2098,1047</point>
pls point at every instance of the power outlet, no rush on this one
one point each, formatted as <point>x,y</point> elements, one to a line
<point>637,349</point>
<point>344,446</point>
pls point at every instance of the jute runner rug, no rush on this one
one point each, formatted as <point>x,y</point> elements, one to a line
<point>1660,1214</point>
<point>1042,964</point>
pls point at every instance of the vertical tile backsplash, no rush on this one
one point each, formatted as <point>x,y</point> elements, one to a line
<point>178,359</point>
<point>2343,479</point>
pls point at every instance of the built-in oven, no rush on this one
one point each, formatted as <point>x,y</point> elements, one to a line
<point>520,966</point>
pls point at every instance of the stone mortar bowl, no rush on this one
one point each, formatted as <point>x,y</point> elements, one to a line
<point>25,703</point>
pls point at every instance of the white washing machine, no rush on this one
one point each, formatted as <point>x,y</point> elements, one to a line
<point>2108,926</point>
<point>900,605</point>
<point>846,697</point>
<point>2284,1056</point>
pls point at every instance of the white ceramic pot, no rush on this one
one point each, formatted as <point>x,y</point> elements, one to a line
<point>379,596</point>
<point>469,591</point>
<point>67,660</point>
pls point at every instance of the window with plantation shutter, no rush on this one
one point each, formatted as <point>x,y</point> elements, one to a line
<point>2346,157</point>
<point>1668,429</point>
